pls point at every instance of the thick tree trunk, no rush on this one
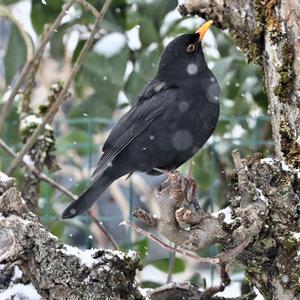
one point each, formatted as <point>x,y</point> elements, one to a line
<point>268,32</point>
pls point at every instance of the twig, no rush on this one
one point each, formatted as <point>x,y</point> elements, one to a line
<point>190,168</point>
<point>171,265</point>
<point>221,258</point>
<point>89,7</point>
<point>6,107</point>
<point>52,111</point>
<point>242,176</point>
<point>103,229</point>
<point>145,217</point>
<point>42,176</point>
<point>213,260</point>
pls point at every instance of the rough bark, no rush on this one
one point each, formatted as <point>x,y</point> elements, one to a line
<point>179,291</point>
<point>265,203</point>
<point>56,270</point>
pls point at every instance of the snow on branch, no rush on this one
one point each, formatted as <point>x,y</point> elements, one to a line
<point>56,270</point>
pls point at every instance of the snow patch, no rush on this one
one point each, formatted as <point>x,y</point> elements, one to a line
<point>236,133</point>
<point>20,291</point>
<point>29,121</point>
<point>85,257</point>
<point>285,167</point>
<point>133,38</point>
<point>132,254</point>
<point>122,98</point>
<point>4,177</point>
<point>170,18</point>
<point>2,216</point>
<point>261,196</point>
<point>111,44</point>
<point>28,161</point>
<point>144,291</point>
<point>296,235</point>
<point>267,160</point>
<point>227,211</point>
<point>17,275</point>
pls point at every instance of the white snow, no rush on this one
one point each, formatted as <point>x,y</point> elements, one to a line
<point>110,44</point>
<point>296,235</point>
<point>28,161</point>
<point>236,133</point>
<point>133,38</point>
<point>85,256</point>
<point>128,70</point>
<point>285,278</point>
<point>21,12</point>
<point>261,196</point>
<point>29,120</point>
<point>1,217</point>
<point>122,98</point>
<point>4,177</point>
<point>144,291</point>
<point>170,18</point>
<point>17,275</point>
<point>132,254</point>
<point>267,160</point>
<point>285,167</point>
<point>71,14</point>
<point>20,291</point>
<point>259,295</point>
<point>228,214</point>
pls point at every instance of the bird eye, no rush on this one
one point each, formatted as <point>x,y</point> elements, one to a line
<point>191,48</point>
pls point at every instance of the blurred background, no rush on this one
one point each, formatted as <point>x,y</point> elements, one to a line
<point>124,57</point>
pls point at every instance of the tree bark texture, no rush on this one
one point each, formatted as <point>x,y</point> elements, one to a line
<point>268,33</point>
<point>56,270</point>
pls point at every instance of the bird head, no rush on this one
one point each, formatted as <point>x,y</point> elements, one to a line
<point>183,57</point>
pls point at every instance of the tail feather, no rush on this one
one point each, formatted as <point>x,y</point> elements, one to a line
<point>87,198</point>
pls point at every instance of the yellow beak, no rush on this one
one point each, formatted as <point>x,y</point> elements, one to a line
<point>203,29</point>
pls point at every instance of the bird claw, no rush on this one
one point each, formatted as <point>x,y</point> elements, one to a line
<point>183,215</point>
<point>181,188</point>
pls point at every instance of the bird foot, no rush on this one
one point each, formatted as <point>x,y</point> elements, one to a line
<point>181,188</point>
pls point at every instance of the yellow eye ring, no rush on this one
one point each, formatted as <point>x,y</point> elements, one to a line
<point>191,48</point>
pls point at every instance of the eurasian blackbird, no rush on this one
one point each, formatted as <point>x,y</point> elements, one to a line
<point>170,121</point>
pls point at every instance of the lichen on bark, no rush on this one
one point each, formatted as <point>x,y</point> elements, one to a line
<point>59,271</point>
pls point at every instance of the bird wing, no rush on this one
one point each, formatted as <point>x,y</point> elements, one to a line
<point>152,102</point>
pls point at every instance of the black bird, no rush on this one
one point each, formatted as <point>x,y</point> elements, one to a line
<point>170,121</point>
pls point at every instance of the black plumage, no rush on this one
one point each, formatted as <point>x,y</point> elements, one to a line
<point>170,121</point>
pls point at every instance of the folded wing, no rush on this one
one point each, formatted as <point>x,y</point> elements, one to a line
<point>154,101</point>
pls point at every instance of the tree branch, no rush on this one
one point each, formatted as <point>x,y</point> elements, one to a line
<point>59,271</point>
<point>42,176</point>
<point>55,106</point>
<point>7,105</point>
